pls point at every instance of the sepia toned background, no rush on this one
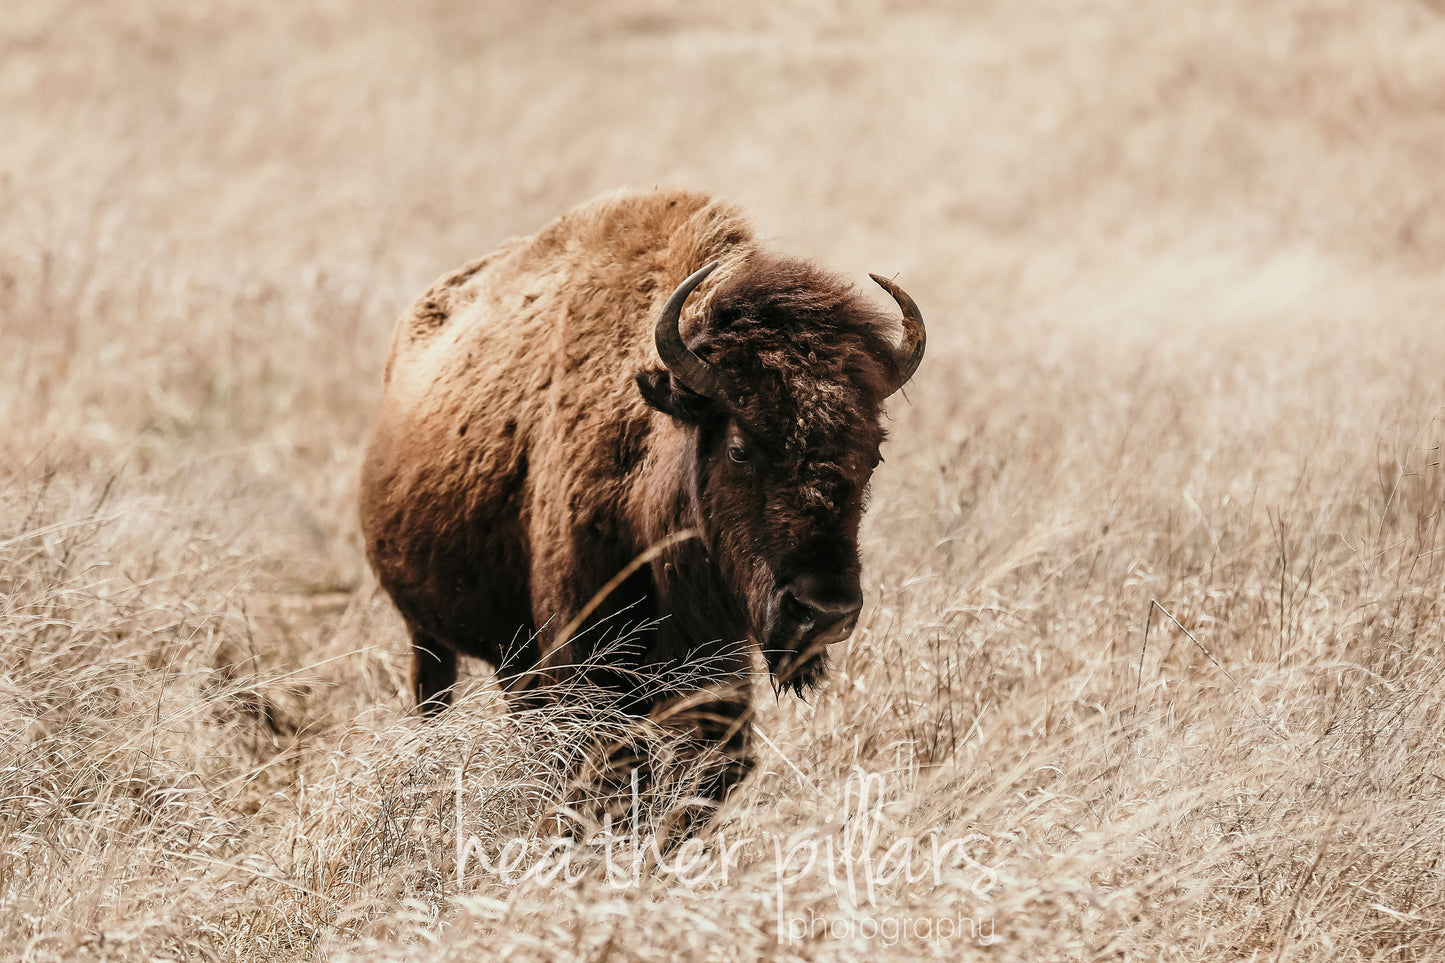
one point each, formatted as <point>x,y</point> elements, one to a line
<point>1182,270</point>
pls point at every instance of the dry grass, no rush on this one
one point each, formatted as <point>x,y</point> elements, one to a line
<point>1155,567</point>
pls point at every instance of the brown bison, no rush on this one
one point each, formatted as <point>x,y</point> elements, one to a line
<point>639,409</point>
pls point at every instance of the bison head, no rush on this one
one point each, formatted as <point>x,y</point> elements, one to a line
<point>779,395</point>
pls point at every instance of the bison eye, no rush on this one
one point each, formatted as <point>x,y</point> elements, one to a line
<point>737,454</point>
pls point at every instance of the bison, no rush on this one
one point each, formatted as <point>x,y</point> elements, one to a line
<point>640,407</point>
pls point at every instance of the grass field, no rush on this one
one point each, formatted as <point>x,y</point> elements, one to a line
<point>1155,631</point>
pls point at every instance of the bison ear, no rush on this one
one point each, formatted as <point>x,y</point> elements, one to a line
<point>661,392</point>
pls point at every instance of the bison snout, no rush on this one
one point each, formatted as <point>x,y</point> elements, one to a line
<point>824,610</point>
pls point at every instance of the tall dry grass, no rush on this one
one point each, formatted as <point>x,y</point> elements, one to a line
<point>1154,567</point>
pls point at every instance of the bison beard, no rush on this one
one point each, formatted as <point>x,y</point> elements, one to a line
<point>638,407</point>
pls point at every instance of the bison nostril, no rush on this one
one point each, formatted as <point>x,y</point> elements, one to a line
<point>797,611</point>
<point>824,608</point>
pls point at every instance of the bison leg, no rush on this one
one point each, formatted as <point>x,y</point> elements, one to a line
<point>696,745</point>
<point>525,685</point>
<point>723,726</point>
<point>718,721</point>
<point>433,673</point>
<point>522,694</point>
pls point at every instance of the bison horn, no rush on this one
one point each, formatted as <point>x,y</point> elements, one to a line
<point>696,374</point>
<point>906,359</point>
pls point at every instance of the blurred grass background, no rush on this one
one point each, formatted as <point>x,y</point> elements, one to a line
<point>1181,265</point>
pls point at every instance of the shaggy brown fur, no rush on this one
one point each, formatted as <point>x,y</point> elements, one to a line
<point>529,446</point>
